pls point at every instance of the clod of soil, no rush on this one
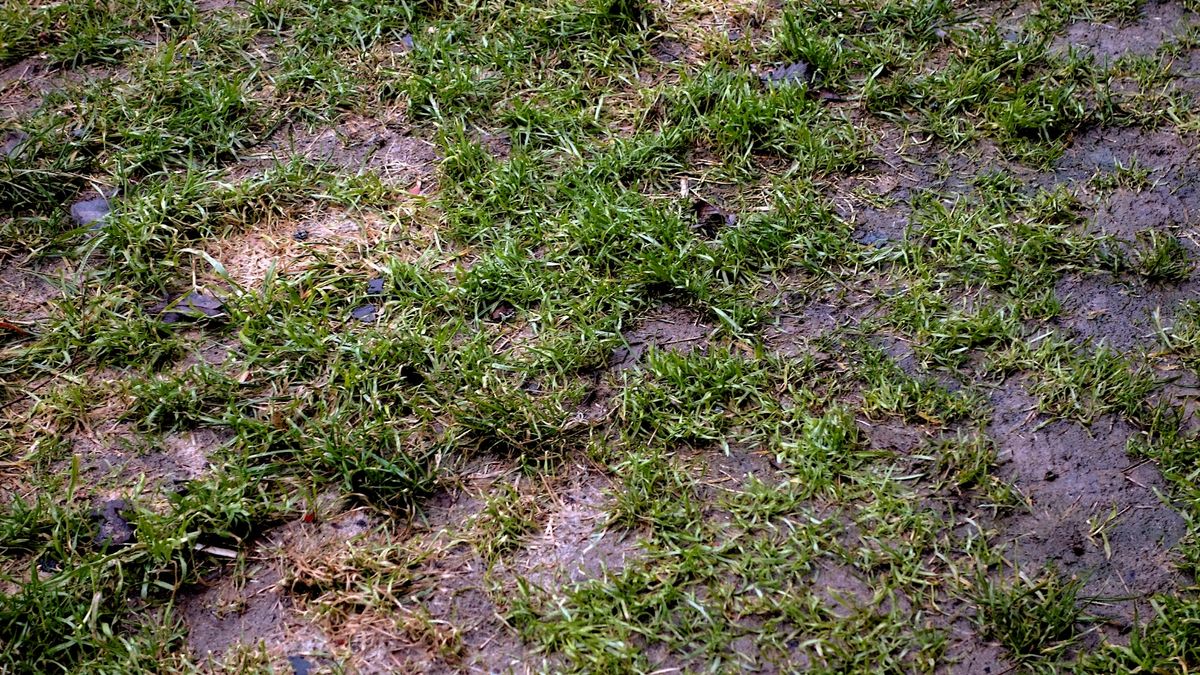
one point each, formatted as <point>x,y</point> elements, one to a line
<point>300,665</point>
<point>710,218</point>
<point>89,211</point>
<point>114,529</point>
<point>11,142</point>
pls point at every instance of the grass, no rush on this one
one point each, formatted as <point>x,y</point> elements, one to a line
<point>817,482</point>
<point>1031,617</point>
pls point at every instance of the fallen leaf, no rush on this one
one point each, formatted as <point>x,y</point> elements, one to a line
<point>12,328</point>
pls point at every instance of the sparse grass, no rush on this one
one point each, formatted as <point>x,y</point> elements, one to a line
<point>820,511</point>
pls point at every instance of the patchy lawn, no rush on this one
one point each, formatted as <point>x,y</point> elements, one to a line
<point>599,336</point>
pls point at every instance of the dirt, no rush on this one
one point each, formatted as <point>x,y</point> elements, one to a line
<point>27,291</point>
<point>115,454</point>
<point>668,328</point>
<point>289,245</point>
<point>1077,478</point>
<point>456,591</point>
<point>1121,315</point>
<point>358,143</point>
<point>1105,42</point>
<point>797,329</point>
<point>243,608</point>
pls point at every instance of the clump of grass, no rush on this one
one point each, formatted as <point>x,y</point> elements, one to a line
<point>655,492</point>
<point>1131,176</point>
<point>826,450</point>
<point>892,391</point>
<point>1183,337</point>
<point>1162,257</point>
<point>1032,618</point>
<point>1085,384</point>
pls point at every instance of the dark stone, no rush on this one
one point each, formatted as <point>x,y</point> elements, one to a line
<point>89,211</point>
<point>48,564</point>
<point>503,312</point>
<point>711,218</point>
<point>667,51</point>
<point>300,665</point>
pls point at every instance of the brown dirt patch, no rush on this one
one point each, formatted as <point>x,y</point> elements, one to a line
<point>26,292</point>
<point>358,144</point>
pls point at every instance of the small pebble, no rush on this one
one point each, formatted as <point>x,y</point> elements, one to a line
<point>12,142</point>
<point>114,529</point>
<point>793,73</point>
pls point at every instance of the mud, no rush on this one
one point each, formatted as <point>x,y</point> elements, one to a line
<point>1084,489</point>
<point>669,328</point>
<point>1157,23</point>
<point>27,290</point>
<point>1125,316</point>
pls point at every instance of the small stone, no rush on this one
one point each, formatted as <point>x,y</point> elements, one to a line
<point>375,286</point>
<point>89,211</point>
<point>12,142</point>
<point>300,235</point>
<point>364,312</point>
